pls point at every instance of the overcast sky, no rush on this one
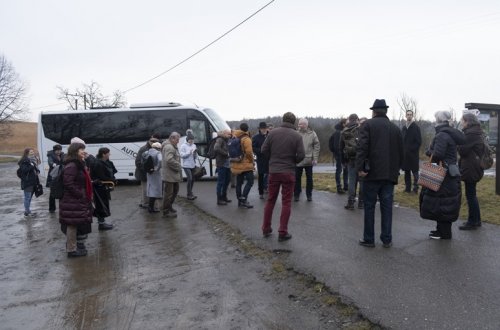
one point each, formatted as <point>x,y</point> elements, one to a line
<point>315,58</point>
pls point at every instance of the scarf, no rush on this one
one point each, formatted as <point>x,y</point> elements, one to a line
<point>88,184</point>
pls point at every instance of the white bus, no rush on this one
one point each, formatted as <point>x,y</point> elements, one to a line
<point>125,130</point>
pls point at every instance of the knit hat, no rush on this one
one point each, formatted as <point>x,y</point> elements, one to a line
<point>156,145</point>
<point>244,127</point>
<point>77,140</point>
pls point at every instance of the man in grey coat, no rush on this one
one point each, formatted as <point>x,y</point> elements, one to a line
<point>171,173</point>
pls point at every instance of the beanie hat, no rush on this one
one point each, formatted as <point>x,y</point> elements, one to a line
<point>77,140</point>
<point>244,127</point>
<point>156,145</point>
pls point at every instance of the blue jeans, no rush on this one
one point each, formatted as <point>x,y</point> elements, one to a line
<point>385,191</point>
<point>298,180</point>
<point>223,179</point>
<point>474,211</point>
<point>248,175</point>
<point>353,180</point>
<point>340,170</point>
<point>27,201</point>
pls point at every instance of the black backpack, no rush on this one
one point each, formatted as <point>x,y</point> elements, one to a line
<point>57,184</point>
<point>234,149</point>
<point>148,163</point>
<point>211,149</point>
<point>19,173</point>
<point>350,136</point>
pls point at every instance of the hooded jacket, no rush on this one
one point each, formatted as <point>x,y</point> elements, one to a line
<point>469,164</point>
<point>311,147</point>
<point>334,141</point>
<point>246,164</point>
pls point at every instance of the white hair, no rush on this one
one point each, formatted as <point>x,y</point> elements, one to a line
<point>442,116</point>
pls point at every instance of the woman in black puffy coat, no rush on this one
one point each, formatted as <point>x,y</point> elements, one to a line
<point>443,206</point>
<point>470,167</point>
<point>103,170</point>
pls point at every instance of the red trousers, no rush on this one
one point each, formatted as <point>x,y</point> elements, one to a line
<point>287,183</point>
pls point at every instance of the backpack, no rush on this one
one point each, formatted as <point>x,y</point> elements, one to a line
<point>350,142</point>
<point>211,149</point>
<point>234,149</point>
<point>19,173</point>
<point>486,159</point>
<point>148,164</point>
<point>57,184</point>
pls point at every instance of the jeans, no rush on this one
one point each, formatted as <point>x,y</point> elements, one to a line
<point>223,180</point>
<point>473,204</point>
<point>298,180</point>
<point>287,182</point>
<point>189,181</point>
<point>340,170</point>
<point>27,201</point>
<point>353,180</point>
<point>248,176</point>
<point>408,180</point>
<point>385,191</point>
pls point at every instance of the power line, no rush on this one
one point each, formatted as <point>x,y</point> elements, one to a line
<point>202,49</point>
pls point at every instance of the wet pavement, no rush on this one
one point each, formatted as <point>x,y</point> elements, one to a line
<point>154,273</point>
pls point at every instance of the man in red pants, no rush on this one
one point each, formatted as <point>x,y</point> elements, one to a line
<point>284,149</point>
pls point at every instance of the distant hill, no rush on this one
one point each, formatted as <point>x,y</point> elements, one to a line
<point>23,136</point>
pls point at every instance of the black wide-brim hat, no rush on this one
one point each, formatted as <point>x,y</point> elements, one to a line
<point>262,124</point>
<point>379,104</point>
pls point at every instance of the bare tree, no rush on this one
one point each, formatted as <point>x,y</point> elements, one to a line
<point>90,96</point>
<point>406,103</point>
<point>12,97</point>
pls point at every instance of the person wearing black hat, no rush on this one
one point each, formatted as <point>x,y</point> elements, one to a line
<point>378,160</point>
<point>262,161</point>
<point>54,157</point>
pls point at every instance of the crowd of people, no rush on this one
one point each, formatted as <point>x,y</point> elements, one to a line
<point>367,153</point>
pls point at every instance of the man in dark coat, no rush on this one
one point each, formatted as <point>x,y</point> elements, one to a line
<point>378,160</point>
<point>412,140</point>
<point>262,161</point>
<point>334,145</point>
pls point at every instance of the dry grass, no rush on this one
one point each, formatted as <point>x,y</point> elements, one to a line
<point>23,136</point>
<point>488,200</point>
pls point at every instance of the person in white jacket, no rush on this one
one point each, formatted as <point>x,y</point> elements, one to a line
<point>188,157</point>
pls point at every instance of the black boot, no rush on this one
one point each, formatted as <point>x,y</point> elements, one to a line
<point>225,199</point>
<point>151,207</point>
<point>349,205</point>
<point>103,225</point>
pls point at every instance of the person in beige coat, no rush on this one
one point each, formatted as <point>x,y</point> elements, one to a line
<point>311,147</point>
<point>171,173</point>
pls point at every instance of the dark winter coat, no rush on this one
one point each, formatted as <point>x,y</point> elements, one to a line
<point>140,174</point>
<point>29,174</point>
<point>412,140</point>
<point>74,207</point>
<point>334,141</point>
<point>469,164</point>
<point>53,160</point>
<point>285,149</point>
<point>380,145</point>
<point>262,160</point>
<point>221,152</point>
<point>104,170</point>
<point>444,204</point>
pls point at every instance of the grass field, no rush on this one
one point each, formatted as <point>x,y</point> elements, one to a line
<point>23,136</point>
<point>488,201</point>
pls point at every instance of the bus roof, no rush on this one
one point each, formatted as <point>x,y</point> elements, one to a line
<point>136,106</point>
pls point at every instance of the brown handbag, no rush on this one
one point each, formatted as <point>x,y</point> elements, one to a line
<point>431,175</point>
